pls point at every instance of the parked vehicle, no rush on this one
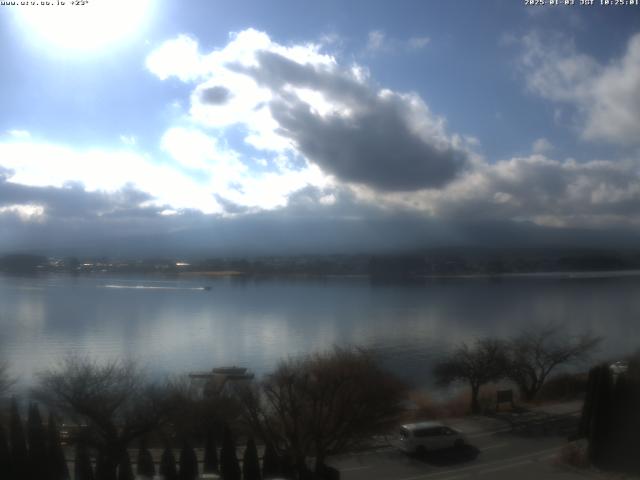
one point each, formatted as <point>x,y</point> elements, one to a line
<point>425,436</point>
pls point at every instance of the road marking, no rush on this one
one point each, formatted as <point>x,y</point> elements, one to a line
<point>505,467</point>
<point>353,469</point>
<point>498,445</point>
<point>486,434</point>
<point>511,465</point>
<point>481,466</point>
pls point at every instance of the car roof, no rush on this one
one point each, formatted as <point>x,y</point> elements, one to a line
<point>419,425</point>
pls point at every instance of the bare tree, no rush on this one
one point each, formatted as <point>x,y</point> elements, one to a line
<point>114,400</point>
<point>194,412</point>
<point>482,362</point>
<point>535,353</point>
<point>6,381</point>
<point>322,404</point>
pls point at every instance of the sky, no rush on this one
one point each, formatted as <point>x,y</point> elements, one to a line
<point>201,127</point>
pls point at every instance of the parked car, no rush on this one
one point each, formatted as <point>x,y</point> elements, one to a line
<point>425,436</point>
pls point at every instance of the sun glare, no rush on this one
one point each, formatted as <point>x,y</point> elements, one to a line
<point>83,26</point>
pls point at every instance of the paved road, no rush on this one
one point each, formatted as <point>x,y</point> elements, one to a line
<point>501,455</point>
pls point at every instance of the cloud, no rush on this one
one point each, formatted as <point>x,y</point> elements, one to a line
<point>106,170</point>
<point>418,43</point>
<point>376,40</point>
<point>605,96</point>
<point>300,102</point>
<point>331,162</point>
<point>215,95</point>
<point>178,57</point>
<point>541,145</point>
<point>547,192</point>
<point>19,134</point>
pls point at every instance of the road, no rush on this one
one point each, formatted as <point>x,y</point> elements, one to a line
<point>501,455</point>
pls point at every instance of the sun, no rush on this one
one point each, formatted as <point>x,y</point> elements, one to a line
<point>83,26</point>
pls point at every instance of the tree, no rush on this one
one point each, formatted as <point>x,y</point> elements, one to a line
<point>270,464</point>
<point>6,382</point>
<point>168,465</point>
<point>19,453</point>
<point>37,439</point>
<point>250,462</point>
<point>322,404</point>
<point>597,413</point>
<point>229,466</point>
<point>105,467</point>
<point>145,467</point>
<point>210,453</point>
<point>125,472</point>
<point>114,400</point>
<point>483,362</point>
<point>57,463</point>
<point>193,412</point>
<point>534,354</point>
<point>83,468</point>
<point>188,463</point>
<point>5,456</point>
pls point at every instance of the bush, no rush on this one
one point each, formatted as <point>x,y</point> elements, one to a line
<point>145,467</point>
<point>563,387</point>
<point>210,454</point>
<point>229,465</point>
<point>188,463</point>
<point>250,462</point>
<point>574,454</point>
<point>168,469</point>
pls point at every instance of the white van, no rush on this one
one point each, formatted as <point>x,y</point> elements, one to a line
<point>424,436</point>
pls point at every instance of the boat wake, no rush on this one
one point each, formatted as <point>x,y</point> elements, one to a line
<point>154,287</point>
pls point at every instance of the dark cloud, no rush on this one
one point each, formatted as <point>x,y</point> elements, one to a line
<point>72,200</point>
<point>229,206</point>
<point>386,140</point>
<point>116,225</point>
<point>596,194</point>
<point>376,148</point>
<point>215,95</point>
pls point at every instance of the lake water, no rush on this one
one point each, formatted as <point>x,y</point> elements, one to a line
<point>174,325</point>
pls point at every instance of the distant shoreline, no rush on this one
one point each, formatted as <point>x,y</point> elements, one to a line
<point>212,274</point>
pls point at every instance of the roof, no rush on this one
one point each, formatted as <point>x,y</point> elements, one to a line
<point>415,426</point>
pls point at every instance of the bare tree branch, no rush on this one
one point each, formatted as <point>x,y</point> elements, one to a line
<point>482,362</point>
<point>322,404</point>
<point>535,353</point>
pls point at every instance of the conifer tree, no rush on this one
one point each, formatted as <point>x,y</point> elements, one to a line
<point>229,466</point>
<point>188,463</point>
<point>287,469</point>
<point>37,439</point>
<point>601,417</point>
<point>105,468</point>
<point>210,454</point>
<point>83,468</point>
<point>5,456</point>
<point>146,467</point>
<point>19,453</point>
<point>250,462</point>
<point>270,463</point>
<point>125,472</point>
<point>168,469</point>
<point>56,461</point>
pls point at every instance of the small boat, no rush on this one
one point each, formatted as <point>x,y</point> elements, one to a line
<point>229,370</point>
<point>207,288</point>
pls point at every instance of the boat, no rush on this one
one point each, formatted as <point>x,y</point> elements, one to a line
<point>230,373</point>
<point>229,370</point>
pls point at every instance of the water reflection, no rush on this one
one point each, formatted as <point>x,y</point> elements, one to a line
<point>177,326</point>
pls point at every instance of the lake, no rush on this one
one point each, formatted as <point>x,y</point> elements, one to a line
<point>175,325</point>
